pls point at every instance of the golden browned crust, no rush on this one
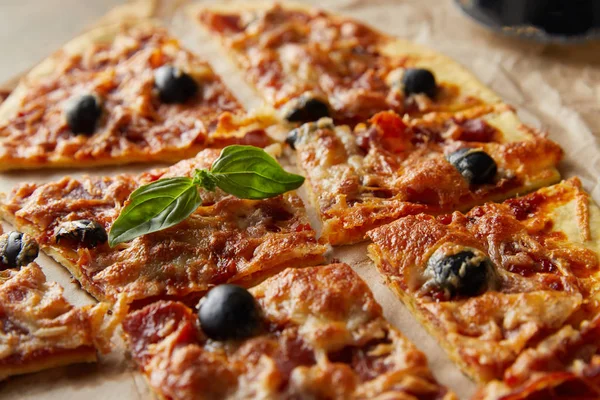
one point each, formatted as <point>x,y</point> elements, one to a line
<point>285,51</point>
<point>226,240</point>
<point>395,167</point>
<point>116,62</point>
<point>324,337</point>
<point>543,288</point>
<point>4,93</point>
<point>39,329</point>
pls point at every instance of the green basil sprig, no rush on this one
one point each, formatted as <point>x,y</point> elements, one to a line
<point>246,172</point>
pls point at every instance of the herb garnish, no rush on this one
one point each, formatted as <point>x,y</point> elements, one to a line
<point>246,172</point>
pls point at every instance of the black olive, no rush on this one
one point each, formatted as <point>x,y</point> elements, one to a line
<point>291,138</point>
<point>229,312</point>
<point>17,249</point>
<point>464,273</point>
<point>83,113</point>
<point>87,233</point>
<point>418,80</point>
<point>174,85</point>
<point>306,109</point>
<point>305,131</point>
<point>475,165</point>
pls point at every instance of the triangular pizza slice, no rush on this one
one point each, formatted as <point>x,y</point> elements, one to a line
<point>309,64</point>
<point>121,93</point>
<point>39,328</point>
<point>310,333</point>
<point>505,288</point>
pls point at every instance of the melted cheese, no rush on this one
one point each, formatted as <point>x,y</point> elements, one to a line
<point>324,337</point>
<point>39,329</point>
<point>286,51</point>
<point>395,167</point>
<point>226,240</point>
<point>135,125</point>
<point>546,277</point>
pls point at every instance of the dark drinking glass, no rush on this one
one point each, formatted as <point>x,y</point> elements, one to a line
<point>560,20</point>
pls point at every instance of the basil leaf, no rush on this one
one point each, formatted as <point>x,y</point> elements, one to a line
<point>153,207</point>
<point>248,172</point>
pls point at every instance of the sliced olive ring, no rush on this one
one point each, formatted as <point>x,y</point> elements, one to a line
<point>475,165</point>
<point>17,249</point>
<point>84,231</point>
<point>174,85</point>
<point>460,271</point>
<point>229,312</point>
<point>306,108</point>
<point>82,114</point>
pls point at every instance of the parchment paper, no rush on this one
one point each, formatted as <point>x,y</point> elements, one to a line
<point>554,88</point>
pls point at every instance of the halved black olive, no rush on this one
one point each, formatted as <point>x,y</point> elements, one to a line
<point>82,114</point>
<point>464,273</point>
<point>304,131</point>
<point>306,108</point>
<point>475,165</point>
<point>419,80</point>
<point>17,249</point>
<point>229,312</point>
<point>291,138</point>
<point>174,85</point>
<point>84,231</point>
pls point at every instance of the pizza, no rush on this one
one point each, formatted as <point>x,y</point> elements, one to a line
<point>121,93</point>
<point>568,369</point>
<point>40,329</point>
<point>399,145</point>
<point>317,333</point>
<point>391,166</point>
<point>226,240</point>
<point>502,285</point>
<point>311,64</point>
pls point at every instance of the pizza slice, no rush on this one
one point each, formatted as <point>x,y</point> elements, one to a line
<point>503,284</point>
<point>312,64</point>
<point>566,367</point>
<point>40,329</point>
<point>121,93</point>
<point>392,167</point>
<point>313,332</point>
<point>226,239</point>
